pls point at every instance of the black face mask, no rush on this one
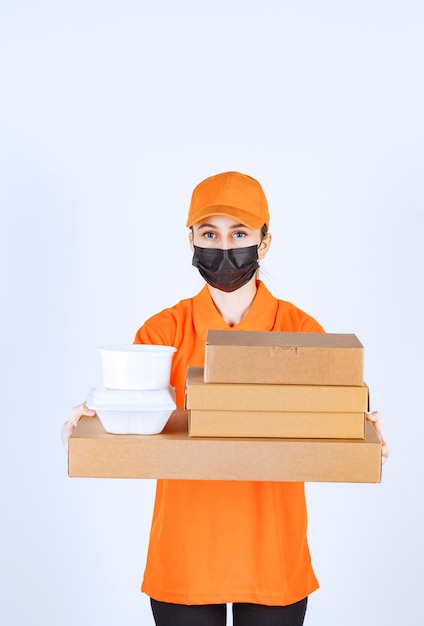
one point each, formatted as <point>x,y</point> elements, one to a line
<point>226,270</point>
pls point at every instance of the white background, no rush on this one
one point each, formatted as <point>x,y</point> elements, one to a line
<point>110,113</point>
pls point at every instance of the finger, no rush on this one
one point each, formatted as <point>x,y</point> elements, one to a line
<point>375,418</point>
<point>77,412</point>
<point>377,422</point>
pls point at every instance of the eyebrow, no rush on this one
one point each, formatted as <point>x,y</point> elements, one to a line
<point>206,225</point>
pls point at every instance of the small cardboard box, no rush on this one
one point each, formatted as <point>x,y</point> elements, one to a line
<point>279,424</point>
<point>266,397</point>
<point>94,453</point>
<point>234,356</point>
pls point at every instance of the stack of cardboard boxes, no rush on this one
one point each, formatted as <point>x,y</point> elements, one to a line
<point>266,407</point>
<point>303,387</point>
<point>278,384</point>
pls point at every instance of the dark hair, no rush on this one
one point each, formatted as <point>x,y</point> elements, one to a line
<point>264,231</point>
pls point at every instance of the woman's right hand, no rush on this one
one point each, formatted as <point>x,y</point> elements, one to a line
<point>77,412</point>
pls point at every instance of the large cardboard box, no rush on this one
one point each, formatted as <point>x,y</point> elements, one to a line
<point>173,454</point>
<point>203,423</point>
<point>272,397</point>
<point>235,356</point>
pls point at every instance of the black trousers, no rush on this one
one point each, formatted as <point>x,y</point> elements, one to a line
<point>244,614</point>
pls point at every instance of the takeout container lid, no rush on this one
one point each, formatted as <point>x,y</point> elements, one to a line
<point>132,412</point>
<point>100,398</point>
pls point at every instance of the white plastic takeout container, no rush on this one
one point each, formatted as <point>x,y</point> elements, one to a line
<point>136,366</point>
<point>132,412</point>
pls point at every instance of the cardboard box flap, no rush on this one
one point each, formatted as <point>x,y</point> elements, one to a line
<point>283,358</point>
<point>281,339</point>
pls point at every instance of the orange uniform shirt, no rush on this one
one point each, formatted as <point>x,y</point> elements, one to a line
<point>225,541</point>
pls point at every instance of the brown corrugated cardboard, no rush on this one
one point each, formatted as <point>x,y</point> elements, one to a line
<point>263,397</point>
<point>174,455</point>
<point>203,423</point>
<point>233,356</point>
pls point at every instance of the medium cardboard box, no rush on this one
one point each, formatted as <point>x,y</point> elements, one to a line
<point>203,423</point>
<point>173,454</point>
<point>267,397</point>
<point>235,356</point>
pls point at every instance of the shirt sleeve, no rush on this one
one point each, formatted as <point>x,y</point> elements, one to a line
<point>290,317</point>
<point>158,330</point>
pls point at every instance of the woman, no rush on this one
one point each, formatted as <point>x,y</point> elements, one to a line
<point>214,542</point>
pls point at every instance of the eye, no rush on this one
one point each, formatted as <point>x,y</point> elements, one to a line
<point>208,235</point>
<point>239,234</point>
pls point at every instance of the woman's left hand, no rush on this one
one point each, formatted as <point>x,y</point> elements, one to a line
<point>375,418</point>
